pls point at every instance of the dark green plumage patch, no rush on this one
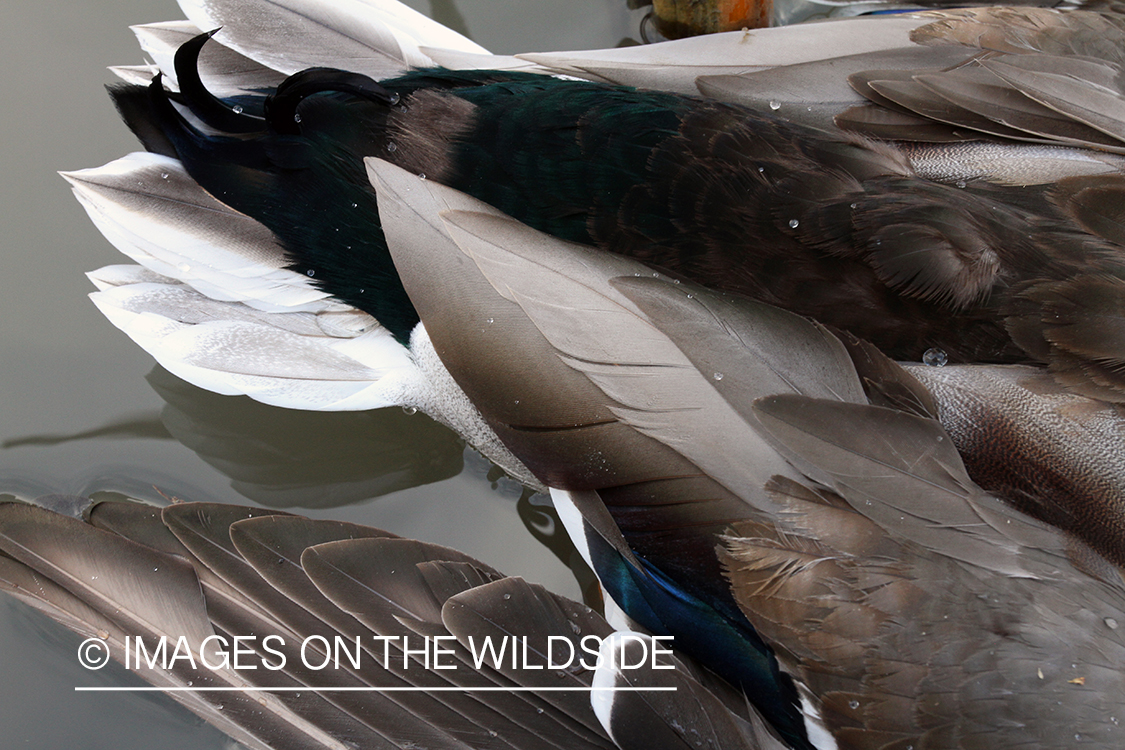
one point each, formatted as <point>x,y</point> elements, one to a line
<point>540,148</point>
<point>818,223</point>
<point>551,152</point>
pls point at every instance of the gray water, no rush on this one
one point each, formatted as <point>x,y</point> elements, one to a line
<point>83,410</point>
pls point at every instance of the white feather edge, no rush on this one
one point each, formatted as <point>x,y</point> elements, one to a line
<point>301,31</point>
<point>575,526</point>
<point>387,30</point>
<point>138,75</point>
<point>604,681</point>
<point>290,360</point>
<point>153,40</point>
<point>815,728</point>
<point>675,65</point>
<point>283,359</point>
<point>237,260</point>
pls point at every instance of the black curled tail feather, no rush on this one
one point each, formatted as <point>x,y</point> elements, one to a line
<point>203,104</point>
<point>281,106</point>
<point>307,185</point>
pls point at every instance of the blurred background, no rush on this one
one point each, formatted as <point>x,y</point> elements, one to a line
<point>84,411</point>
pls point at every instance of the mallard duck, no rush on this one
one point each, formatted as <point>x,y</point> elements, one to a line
<point>307,309</point>
<point>724,467</point>
<point>910,248</point>
<point>725,445</point>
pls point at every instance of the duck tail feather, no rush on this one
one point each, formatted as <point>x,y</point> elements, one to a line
<point>227,73</point>
<point>215,288</point>
<point>151,210</point>
<point>397,569</point>
<point>379,39</point>
<point>1052,80</point>
<point>645,66</point>
<point>281,360</point>
<point>552,630</point>
<point>137,592</point>
<point>904,473</point>
<point>400,589</point>
<point>1097,203</point>
<point>327,614</point>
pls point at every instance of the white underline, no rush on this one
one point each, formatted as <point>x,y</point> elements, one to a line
<point>364,689</point>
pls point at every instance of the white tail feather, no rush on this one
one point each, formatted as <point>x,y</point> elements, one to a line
<point>153,212</point>
<point>280,359</point>
<point>675,65</point>
<point>160,40</point>
<point>374,37</point>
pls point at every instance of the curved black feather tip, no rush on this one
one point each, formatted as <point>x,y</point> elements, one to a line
<point>281,106</point>
<point>206,106</point>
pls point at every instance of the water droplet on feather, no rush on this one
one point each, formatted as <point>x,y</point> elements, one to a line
<point>935,357</point>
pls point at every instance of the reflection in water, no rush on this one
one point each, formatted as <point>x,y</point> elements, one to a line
<point>541,519</point>
<point>147,428</point>
<point>283,458</point>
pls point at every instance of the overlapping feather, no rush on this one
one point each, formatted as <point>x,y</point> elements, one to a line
<point>201,570</point>
<point>898,489</point>
<point>386,37</point>
<point>941,615</point>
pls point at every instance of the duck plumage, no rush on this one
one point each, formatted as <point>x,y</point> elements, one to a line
<point>693,418</point>
<point>695,438</point>
<point>845,230</point>
<point>338,357</point>
<point>853,541</point>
